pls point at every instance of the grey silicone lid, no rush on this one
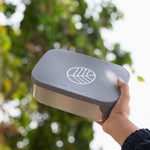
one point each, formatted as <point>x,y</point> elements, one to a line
<point>79,76</point>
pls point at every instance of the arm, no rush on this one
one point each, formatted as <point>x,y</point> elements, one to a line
<point>118,125</point>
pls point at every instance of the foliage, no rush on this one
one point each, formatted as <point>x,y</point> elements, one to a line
<point>140,79</point>
<point>46,25</point>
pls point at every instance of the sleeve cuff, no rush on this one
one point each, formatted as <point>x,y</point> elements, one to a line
<point>136,137</point>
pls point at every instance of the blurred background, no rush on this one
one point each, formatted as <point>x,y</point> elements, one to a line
<point>105,29</point>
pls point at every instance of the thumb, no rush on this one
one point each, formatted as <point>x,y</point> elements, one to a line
<point>124,88</point>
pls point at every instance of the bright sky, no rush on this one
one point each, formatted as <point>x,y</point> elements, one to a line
<point>133,32</point>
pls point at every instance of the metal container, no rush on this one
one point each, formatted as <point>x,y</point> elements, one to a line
<point>77,83</point>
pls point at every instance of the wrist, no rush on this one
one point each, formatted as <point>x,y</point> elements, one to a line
<point>113,121</point>
<point>119,127</point>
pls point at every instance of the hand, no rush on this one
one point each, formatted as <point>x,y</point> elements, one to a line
<point>118,124</point>
<point>121,108</point>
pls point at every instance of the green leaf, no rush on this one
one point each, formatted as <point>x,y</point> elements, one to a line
<point>140,79</point>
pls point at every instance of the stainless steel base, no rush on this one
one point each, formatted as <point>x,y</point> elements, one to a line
<point>68,104</point>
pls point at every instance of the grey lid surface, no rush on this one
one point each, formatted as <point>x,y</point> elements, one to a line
<point>79,76</point>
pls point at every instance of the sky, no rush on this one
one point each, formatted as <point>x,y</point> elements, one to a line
<point>133,33</point>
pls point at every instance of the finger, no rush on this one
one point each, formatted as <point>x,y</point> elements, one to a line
<point>124,88</point>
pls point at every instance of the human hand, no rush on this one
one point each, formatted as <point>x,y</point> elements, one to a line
<point>118,124</point>
<point>121,108</point>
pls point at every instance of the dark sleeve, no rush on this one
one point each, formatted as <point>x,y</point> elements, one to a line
<point>138,140</point>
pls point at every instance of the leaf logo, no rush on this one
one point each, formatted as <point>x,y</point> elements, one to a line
<point>81,75</point>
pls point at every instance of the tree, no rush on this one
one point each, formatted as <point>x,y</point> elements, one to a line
<point>69,24</point>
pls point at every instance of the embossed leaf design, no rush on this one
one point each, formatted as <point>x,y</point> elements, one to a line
<point>81,75</point>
